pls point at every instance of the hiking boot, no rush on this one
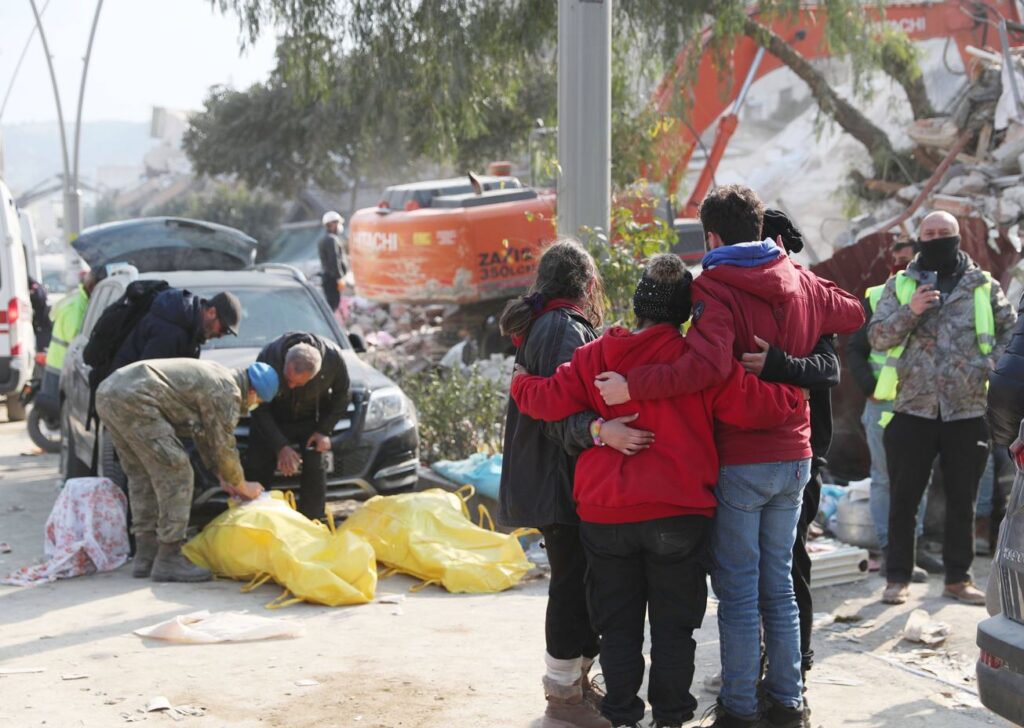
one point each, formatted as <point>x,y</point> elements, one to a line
<point>593,692</point>
<point>145,553</point>
<point>896,593</point>
<point>171,565</point>
<point>782,716</point>
<point>566,708</point>
<point>725,719</point>
<point>965,592</point>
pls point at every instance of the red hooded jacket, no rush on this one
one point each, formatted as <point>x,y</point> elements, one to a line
<point>677,474</point>
<point>782,303</point>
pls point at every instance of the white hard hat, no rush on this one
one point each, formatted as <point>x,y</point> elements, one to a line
<point>332,216</point>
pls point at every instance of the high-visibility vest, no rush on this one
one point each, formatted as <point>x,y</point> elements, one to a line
<point>67,318</point>
<point>984,327</point>
<point>876,358</point>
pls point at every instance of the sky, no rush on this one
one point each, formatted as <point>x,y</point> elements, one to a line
<point>146,53</point>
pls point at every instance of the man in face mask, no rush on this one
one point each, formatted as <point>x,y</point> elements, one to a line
<point>942,324</point>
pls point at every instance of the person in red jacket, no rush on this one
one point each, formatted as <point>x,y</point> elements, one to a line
<point>749,288</point>
<point>645,517</point>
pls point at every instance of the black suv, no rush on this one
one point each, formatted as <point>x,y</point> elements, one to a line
<point>374,447</point>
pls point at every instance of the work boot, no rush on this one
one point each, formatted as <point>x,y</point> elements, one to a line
<point>145,553</point>
<point>725,719</point>
<point>782,716</point>
<point>566,708</point>
<point>593,694</point>
<point>171,565</point>
<point>966,593</point>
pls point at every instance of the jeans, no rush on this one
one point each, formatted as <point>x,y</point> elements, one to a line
<point>654,567</point>
<point>752,541</point>
<point>567,629</point>
<point>912,444</point>
<point>874,432</point>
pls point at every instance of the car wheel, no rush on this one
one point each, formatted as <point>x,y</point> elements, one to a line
<point>44,433</point>
<point>109,466</point>
<point>15,409</point>
<point>70,465</point>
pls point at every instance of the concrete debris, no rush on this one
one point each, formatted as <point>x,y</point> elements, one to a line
<point>20,670</point>
<point>921,628</point>
<point>158,703</point>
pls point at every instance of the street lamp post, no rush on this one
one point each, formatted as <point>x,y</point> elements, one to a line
<point>72,195</point>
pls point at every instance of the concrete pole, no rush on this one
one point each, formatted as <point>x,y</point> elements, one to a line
<point>584,114</point>
<point>69,203</point>
<point>75,217</point>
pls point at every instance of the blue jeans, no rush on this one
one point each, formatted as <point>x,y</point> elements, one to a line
<point>873,430</point>
<point>752,552</point>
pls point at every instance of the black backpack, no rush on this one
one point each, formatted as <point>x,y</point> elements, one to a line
<point>114,326</point>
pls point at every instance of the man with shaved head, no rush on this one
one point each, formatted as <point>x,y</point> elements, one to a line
<point>942,324</point>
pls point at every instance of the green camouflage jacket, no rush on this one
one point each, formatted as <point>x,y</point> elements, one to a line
<point>942,371</point>
<point>200,399</point>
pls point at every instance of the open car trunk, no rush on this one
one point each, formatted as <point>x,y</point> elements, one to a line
<point>156,244</point>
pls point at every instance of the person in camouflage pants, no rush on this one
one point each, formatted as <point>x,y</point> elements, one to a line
<point>940,402</point>
<point>147,407</point>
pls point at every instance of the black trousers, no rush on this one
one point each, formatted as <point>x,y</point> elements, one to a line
<point>567,629</point>
<point>802,566</point>
<point>653,567</point>
<point>911,445</point>
<point>331,293</point>
<point>261,462</point>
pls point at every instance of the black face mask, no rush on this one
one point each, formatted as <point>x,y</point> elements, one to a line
<point>940,254</point>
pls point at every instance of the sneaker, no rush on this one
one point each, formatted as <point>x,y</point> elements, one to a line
<point>724,719</point>
<point>966,593</point>
<point>919,575</point>
<point>896,593</point>
<point>929,562</point>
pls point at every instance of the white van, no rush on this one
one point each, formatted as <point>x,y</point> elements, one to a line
<point>17,342</point>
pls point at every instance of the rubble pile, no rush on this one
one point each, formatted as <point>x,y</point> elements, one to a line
<point>412,338</point>
<point>986,124</point>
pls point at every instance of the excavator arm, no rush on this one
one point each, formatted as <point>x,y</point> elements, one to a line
<point>714,89</point>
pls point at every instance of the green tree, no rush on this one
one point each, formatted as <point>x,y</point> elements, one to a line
<point>255,212</point>
<point>458,81</point>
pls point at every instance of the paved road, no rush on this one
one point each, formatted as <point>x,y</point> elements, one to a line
<point>437,660</point>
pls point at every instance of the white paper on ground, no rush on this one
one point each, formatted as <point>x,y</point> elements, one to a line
<point>202,627</point>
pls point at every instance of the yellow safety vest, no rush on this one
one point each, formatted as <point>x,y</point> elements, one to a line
<point>67,317</point>
<point>984,327</point>
<point>876,358</point>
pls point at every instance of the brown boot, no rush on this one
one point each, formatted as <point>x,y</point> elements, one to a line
<point>567,709</point>
<point>966,593</point>
<point>171,565</point>
<point>145,553</point>
<point>593,694</point>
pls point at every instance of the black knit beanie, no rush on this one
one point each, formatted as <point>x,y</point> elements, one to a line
<point>663,301</point>
<point>777,223</point>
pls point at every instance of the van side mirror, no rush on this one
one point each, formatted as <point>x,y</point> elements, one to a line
<point>358,343</point>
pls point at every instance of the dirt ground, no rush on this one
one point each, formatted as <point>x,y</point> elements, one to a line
<point>436,660</point>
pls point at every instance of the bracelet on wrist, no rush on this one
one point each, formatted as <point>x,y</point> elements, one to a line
<point>595,432</point>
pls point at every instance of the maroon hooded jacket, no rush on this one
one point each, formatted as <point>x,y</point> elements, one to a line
<point>782,303</point>
<point>677,474</point>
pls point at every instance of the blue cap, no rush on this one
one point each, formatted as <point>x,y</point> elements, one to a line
<point>263,379</point>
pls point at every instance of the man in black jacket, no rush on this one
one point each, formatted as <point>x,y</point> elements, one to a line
<point>177,325</point>
<point>314,396</point>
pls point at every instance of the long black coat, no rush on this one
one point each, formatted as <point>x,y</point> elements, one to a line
<point>540,457</point>
<point>322,401</point>
<point>172,328</point>
<point>1006,388</point>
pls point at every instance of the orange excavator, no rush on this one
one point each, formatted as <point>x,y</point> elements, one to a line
<point>476,240</point>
